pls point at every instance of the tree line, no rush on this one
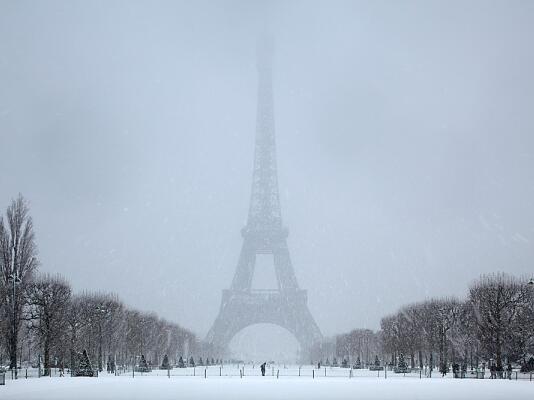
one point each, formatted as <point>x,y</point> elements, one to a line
<point>41,316</point>
<point>492,326</point>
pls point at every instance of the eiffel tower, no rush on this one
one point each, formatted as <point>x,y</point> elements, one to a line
<point>286,306</point>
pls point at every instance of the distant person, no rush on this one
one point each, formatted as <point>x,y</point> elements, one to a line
<point>262,367</point>
<point>443,369</point>
<point>455,370</point>
<point>509,371</point>
<point>464,370</point>
<point>319,365</point>
<point>493,371</point>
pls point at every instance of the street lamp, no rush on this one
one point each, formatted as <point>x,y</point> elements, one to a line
<point>104,311</point>
<point>15,279</point>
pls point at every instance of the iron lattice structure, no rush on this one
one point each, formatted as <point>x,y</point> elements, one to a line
<point>286,306</point>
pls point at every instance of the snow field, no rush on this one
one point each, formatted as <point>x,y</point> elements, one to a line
<point>257,387</point>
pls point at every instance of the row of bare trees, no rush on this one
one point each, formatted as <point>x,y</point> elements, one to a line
<point>495,324</point>
<point>101,324</point>
<point>358,345</point>
<point>40,315</point>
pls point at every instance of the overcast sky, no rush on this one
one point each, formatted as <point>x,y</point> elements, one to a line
<point>405,134</point>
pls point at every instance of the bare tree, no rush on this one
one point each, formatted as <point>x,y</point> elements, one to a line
<point>522,340</point>
<point>390,336</point>
<point>114,325</point>
<point>446,312</point>
<point>410,324</point>
<point>465,344</point>
<point>498,301</point>
<point>135,343</point>
<point>18,261</point>
<point>48,301</point>
<point>76,322</point>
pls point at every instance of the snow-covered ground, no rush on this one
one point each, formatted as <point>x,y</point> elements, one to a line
<point>153,387</point>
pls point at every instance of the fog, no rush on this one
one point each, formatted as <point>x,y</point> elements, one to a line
<point>405,145</point>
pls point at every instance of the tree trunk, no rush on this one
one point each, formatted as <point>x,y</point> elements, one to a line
<point>13,335</point>
<point>420,359</point>
<point>13,350</point>
<point>47,357</point>
<point>441,352</point>
<point>72,348</point>
<point>499,353</point>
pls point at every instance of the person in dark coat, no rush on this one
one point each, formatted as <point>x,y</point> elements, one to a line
<point>262,367</point>
<point>493,372</point>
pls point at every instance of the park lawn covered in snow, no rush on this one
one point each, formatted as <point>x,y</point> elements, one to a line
<point>255,387</point>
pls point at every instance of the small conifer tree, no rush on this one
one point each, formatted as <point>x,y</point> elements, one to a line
<point>83,367</point>
<point>143,365</point>
<point>402,362</point>
<point>165,364</point>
